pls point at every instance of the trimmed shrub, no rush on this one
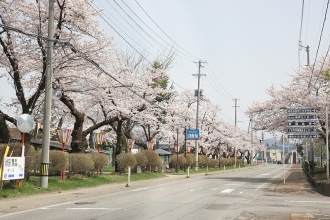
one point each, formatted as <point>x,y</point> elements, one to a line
<point>58,161</point>
<point>81,164</point>
<point>125,160</point>
<point>99,160</point>
<point>153,159</point>
<point>190,160</point>
<point>181,161</point>
<point>141,159</point>
<point>214,163</point>
<point>201,161</point>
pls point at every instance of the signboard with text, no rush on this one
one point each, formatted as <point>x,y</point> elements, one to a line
<point>13,168</point>
<point>192,134</point>
<point>301,110</point>
<point>305,126</point>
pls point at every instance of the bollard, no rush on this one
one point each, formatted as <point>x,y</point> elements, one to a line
<point>188,174</point>
<point>129,177</point>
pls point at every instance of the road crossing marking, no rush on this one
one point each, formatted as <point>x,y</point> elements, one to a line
<point>227,190</point>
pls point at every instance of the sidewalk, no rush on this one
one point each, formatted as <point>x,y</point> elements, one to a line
<point>296,182</point>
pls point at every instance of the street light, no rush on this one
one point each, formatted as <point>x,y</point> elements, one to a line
<point>63,135</point>
<point>99,138</point>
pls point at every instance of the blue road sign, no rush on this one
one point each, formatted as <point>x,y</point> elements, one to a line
<point>302,110</point>
<point>192,134</point>
<point>301,123</point>
<point>297,136</point>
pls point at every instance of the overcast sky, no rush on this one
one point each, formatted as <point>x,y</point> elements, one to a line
<point>248,44</point>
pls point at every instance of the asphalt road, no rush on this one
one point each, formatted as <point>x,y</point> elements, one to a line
<point>244,194</point>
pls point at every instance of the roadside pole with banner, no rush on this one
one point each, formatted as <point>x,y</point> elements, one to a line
<point>150,145</point>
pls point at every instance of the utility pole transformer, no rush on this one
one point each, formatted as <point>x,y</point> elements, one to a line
<point>197,112</point>
<point>48,100</point>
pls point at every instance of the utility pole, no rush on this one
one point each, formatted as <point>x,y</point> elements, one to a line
<point>48,98</point>
<point>235,127</point>
<point>251,140</point>
<point>307,50</point>
<point>197,112</point>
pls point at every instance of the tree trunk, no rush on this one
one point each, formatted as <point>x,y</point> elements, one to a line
<point>78,143</point>
<point>118,144</point>
<point>4,132</point>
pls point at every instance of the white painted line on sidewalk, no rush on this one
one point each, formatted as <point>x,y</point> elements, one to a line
<point>134,190</point>
<point>227,190</point>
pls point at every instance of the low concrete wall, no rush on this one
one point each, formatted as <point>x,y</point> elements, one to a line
<point>322,188</point>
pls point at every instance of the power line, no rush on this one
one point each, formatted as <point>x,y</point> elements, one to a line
<point>164,31</point>
<point>120,34</point>
<point>148,28</point>
<point>325,17</point>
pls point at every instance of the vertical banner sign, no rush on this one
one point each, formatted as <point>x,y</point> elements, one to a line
<point>150,145</point>
<point>130,144</point>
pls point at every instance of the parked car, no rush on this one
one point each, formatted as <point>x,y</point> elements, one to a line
<point>279,162</point>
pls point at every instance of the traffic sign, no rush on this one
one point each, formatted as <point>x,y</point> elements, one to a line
<point>13,168</point>
<point>290,130</point>
<point>301,123</point>
<point>192,134</point>
<point>295,117</point>
<point>297,136</point>
<point>302,110</point>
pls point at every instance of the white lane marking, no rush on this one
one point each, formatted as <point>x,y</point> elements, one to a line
<point>227,190</point>
<point>265,174</point>
<point>192,190</point>
<point>308,201</point>
<point>84,208</point>
<point>31,210</point>
<point>241,192</point>
<point>134,190</point>
<point>235,184</point>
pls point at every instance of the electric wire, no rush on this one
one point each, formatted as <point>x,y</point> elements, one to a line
<point>164,31</point>
<point>153,30</point>
<point>120,35</point>
<point>325,17</point>
<point>231,97</point>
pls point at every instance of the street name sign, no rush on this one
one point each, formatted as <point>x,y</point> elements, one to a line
<point>302,110</point>
<point>301,123</point>
<point>296,117</point>
<point>192,134</point>
<point>13,168</point>
<point>296,136</point>
<point>291,130</point>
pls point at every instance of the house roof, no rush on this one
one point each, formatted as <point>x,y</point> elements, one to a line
<point>162,152</point>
